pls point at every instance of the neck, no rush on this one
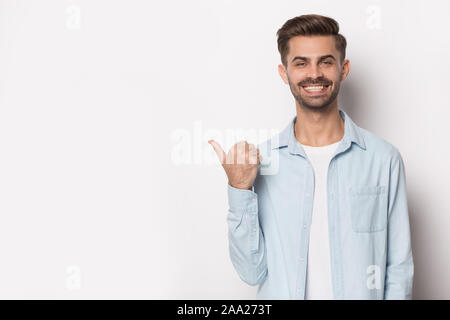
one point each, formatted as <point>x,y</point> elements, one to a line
<point>318,127</point>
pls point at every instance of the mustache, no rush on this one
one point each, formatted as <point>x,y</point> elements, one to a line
<point>318,81</point>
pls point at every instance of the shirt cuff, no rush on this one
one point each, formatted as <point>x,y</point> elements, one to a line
<point>241,200</point>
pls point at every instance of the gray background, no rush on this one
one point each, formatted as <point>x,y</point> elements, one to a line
<point>108,187</point>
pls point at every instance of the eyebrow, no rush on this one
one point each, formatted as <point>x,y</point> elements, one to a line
<point>320,58</point>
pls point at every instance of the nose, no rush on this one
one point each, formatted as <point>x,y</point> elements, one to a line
<point>314,71</point>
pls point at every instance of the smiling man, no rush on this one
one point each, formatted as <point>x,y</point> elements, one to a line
<point>332,222</point>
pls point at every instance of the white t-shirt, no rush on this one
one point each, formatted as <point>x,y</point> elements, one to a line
<point>318,273</point>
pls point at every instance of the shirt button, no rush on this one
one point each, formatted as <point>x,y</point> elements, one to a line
<point>304,226</point>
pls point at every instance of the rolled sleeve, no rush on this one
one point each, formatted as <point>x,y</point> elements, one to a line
<point>240,200</point>
<point>400,266</point>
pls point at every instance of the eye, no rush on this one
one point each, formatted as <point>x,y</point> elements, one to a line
<point>327,62</point>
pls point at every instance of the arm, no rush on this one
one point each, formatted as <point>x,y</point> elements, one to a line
<point>400,267</point>
<point>246,240</point>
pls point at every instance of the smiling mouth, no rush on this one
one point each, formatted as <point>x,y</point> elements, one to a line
<point>315,89</point>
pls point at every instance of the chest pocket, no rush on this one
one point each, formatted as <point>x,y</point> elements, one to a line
<point>368,208</point>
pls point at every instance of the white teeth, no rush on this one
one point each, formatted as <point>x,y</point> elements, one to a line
<point>315,88</point>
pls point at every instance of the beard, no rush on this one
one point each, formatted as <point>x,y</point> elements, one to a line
<point>314,103</point>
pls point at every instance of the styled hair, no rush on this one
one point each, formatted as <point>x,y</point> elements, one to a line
<point>309,25</point>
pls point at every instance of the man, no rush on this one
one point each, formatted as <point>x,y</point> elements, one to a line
<point>332,222</point>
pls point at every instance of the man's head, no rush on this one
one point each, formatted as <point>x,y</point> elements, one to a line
<point>313,60</point>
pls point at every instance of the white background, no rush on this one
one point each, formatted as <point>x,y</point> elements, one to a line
<point>100,98</point>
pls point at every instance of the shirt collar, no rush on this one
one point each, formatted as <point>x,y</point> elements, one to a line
<point>287,138</point>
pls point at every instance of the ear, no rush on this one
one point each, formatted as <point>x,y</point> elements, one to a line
<point>282,71</point>
<point>345,69</point>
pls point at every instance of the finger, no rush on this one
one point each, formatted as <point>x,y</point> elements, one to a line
<point>252,150</point>
<point>242,152</point>
<point>253,157</point>
<point>252,154</point>
<point>259,156</point>
<point>238,153</point>
<point>218,149</point>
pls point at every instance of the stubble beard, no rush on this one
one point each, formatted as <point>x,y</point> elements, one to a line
<point>295,89</point>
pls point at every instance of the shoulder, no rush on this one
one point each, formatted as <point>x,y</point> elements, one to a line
<point>379,146</point>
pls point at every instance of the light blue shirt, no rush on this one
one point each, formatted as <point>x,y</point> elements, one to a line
<point>369,232</point>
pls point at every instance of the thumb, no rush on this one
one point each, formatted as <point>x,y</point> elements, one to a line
<point>219,151</point>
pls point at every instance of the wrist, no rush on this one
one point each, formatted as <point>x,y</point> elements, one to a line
<point>241,186</point>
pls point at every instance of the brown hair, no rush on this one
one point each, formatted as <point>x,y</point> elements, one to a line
<point>309,25</point>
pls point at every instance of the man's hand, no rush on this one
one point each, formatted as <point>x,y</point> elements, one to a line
<point>240,164</point>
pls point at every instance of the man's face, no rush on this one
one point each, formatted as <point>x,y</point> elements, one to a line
<point>314,71</point>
